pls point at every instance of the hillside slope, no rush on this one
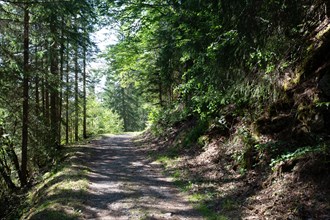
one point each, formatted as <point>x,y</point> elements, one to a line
<point>273,165</point>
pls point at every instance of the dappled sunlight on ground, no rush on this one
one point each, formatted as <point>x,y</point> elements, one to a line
<point>110,178</point>
<point>126,185</point>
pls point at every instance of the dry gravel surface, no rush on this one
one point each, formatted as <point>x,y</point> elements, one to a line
<point>125,184</point>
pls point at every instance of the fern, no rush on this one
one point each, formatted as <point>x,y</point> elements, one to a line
<point>298,154</point>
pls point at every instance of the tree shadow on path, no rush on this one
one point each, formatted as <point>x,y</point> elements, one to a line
<point>119,182</point>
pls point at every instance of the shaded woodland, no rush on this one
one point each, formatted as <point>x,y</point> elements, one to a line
<point>250,77</point>
<point>44,50</point>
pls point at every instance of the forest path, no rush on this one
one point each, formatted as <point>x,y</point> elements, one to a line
<point>125,184</point>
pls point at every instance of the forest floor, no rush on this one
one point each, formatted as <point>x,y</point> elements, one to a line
<point>212,177</point>
<point>116,177</point>
<point>110,178</point>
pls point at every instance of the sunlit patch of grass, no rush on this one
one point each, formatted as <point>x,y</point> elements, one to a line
<point>197,197</point>
<point>165,160</point>
<point>72,185</point>
<point>176,174</point>
<point>200,201</point>
<point>77,184</point>
<point>60,193</point>
<point>66,178</point>
<point>55,209</point>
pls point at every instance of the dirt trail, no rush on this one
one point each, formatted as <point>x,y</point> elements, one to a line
<point>124,184</point>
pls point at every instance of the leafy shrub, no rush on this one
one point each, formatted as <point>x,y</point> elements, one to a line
<point>161,119</point>
<point>246,157</point>
<point>267,151</point>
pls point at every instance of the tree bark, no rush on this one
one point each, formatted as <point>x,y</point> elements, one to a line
<point>124,110</point>
<point>46,90</point>
<point>76,95</point>
<point>67,96</point>
<point>60,101</point>
<point>84,96</point>
<point>54,86</point>
<point>25,120</point>
<point>37,101</point>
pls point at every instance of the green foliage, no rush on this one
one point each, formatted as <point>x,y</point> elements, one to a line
<point>9,160</point>
<point>209,214</point>
<point>323,104</point>
<point>300,153</point>
<point>246,137</point>
<point>101,120</point>
<point>191,138</point>
<point>125,100</point>
<point>210,62</point>
<point>160,119</point>
<point>46,200</point>
<point>245,156</point>
<point>165,160</point>
<point>195,59</point>
<point>269,150</point>
<point>273,153</point>
<point>175,60</point>
<point>37,41</point>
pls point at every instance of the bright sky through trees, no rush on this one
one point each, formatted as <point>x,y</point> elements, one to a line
<point>103,38</point>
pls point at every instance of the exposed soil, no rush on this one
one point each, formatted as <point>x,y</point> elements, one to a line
<point>297,191</point>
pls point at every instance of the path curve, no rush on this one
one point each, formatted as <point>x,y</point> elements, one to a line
<point>124,184</point>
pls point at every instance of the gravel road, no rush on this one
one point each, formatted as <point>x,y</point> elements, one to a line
<point>125,184</point>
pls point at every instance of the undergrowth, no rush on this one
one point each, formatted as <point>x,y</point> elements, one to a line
<point>300,153</point>
<point>250,151</point>
<point>56,194</point>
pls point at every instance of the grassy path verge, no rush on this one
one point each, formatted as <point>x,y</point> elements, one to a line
<point>61,194</point>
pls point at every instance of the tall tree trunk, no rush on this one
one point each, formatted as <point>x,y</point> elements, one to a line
<point>46,90</point>
<point>37,101</point>
<point>47,102</point>
<point>61,83</point>
<point>43,93</point>
<point>54,86</point>
<point>67,96</point>
<point>84,95</point>
<point>25,120</point>
<point>76,95</point>
<point>124,109</point>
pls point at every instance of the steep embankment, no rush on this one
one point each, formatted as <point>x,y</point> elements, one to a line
<point>274,165</point>
<point>232,177</point>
